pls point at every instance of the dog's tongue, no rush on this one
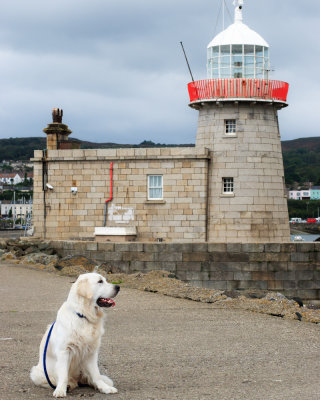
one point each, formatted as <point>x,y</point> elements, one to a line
<point>102,302</point>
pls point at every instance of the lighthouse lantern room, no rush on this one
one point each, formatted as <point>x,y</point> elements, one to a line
<point>238,52</point>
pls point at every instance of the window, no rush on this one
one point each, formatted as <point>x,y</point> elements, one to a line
<point>227,185</point>
<point>155,187</point>
<point>230,125</point>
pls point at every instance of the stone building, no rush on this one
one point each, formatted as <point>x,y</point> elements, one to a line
<point>18,210</point>
<point>228,188</point>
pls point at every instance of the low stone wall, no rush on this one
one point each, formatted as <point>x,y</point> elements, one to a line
<point>290,268</point>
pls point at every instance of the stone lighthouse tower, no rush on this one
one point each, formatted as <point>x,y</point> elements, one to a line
<point>238,122</point>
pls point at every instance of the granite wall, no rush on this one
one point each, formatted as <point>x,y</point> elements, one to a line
<point>290,268</point>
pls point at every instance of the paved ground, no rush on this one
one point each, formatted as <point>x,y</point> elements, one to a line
<point>161,348</point>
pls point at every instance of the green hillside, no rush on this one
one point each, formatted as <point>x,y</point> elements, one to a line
<point>15,149</point>
<point>301,156</point>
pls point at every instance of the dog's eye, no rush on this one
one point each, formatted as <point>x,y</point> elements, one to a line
<point>101,281</point>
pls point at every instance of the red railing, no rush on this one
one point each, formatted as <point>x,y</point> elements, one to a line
<point>238,88</point>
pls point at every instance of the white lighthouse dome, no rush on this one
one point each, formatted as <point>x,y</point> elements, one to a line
<point>238,33</point>
<point>238,51</point>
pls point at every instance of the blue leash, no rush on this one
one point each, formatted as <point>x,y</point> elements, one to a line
<point>45,355</point>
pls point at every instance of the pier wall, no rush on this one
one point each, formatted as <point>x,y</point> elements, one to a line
<point>290,268</point>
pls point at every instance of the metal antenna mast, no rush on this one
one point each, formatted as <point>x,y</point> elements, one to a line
<point>223,6</point>
<point>185,56</point>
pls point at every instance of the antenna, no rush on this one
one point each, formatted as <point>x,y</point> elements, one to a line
<point>185,56</point>
<point>223,6</point>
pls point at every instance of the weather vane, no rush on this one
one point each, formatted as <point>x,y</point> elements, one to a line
<point>238,3</point>
<point>238,10</point>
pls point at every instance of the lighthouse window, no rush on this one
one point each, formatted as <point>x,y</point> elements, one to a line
<point>215,62</point>
<point>259,51</point>
<point>237,49</point>
<point>248,50</point>
<point>225,49</point>
<point>224,73</point>
<point>231,126</point>
<point>259,62</point>
<point>249,61</point>
<point>215,51</point>
<point>225,61</point>
<point>249,72</point>
<point>155,187</point>
<point>227,185</point>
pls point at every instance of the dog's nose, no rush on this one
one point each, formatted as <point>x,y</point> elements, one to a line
<point>117,288</point>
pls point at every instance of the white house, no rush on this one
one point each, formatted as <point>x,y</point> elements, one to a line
<point>12,178</point>
<point>18,210</point>
<point>299,194</point>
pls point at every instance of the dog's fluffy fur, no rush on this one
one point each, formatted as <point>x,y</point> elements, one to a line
<point>72,354</point>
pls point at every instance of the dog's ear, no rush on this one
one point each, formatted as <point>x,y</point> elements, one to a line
<point>84,289</point>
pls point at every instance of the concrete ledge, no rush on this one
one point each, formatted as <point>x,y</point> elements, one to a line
<point>115,230</point>
<point>120,155</point>
<point>115,233</point>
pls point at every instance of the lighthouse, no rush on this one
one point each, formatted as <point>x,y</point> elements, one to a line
<point>238,122</point>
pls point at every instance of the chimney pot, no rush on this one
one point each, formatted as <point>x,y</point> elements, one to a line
<point>57,114</point>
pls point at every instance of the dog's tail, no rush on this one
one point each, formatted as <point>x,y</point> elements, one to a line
<point>37,376</point>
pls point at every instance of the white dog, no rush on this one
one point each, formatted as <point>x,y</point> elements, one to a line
<point>72,349</point>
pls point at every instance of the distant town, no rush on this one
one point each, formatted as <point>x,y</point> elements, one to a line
<point>16,192</point>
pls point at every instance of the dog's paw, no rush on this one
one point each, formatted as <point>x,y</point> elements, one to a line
<point>107,380</point>
<point>106,389</point>
<point>112,390</point>
<point>60,393</point>
<point>72,384</point>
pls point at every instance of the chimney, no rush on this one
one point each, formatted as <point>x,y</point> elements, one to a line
<point>56,132</point>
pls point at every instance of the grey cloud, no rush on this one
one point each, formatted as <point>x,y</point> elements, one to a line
<point>117,70</point>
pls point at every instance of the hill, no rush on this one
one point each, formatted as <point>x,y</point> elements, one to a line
<point>21,149</point>
<point>301,156</point>
<point>15,149</point>
<point>310,143</point>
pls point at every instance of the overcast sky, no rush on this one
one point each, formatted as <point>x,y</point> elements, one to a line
<point>116,68</point>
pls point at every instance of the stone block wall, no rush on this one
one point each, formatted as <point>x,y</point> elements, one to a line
<point>181,215</point>
<point>256,210</point>
<point>290,268</point>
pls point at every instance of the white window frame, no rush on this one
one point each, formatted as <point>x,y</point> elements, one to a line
<point>155,187</point>
<point>230,127</point>
<point>228,186</point>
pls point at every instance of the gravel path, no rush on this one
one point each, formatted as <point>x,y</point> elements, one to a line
<point>162,348</point>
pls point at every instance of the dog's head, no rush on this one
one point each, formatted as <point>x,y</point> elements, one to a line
<point>94,288</point>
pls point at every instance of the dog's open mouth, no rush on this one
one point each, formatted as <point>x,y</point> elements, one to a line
<point>102,302</point>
